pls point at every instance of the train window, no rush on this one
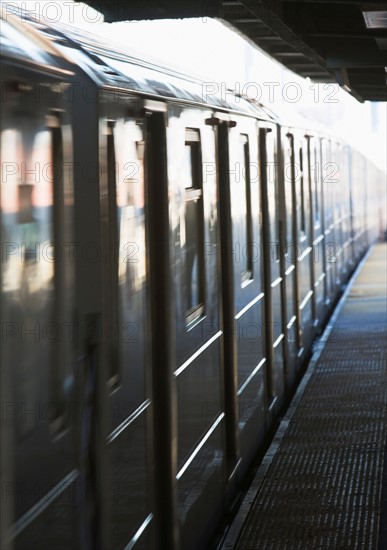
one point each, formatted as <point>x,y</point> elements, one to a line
<point>301,210</point>
<point>271,176</point>
<point>336,180</point>
<point>112,305</point>
<point>125,229</point>
<point>326,187</point>
<point>192,230</point>
<point>54,123</point>
<point>289,177</point>
<point>314,174</point>
<point>245,200</point>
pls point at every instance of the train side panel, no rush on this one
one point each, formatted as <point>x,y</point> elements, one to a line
<point>39,361</point>
<point>197,373</point>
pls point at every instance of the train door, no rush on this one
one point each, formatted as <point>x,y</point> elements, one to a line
<point>126,329</point>
<point>317,233</point>
<point>341,213</point>
<point>333,176</point>
<point>365,192</point>
<point>304,245</point>
<point>330,246</point>
<point>245,359</point>
<point>357,194</point>
<point>349,203</point>
<point>273,281</point>
<point>290,231</point>
<point>347,222</point>
<point>344,211</point>
<point>197,376</point>
<point>38,373</point>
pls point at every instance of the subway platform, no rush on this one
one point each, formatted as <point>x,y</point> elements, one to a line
<point>323,482</point>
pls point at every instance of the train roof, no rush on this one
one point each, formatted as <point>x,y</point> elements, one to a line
<point>21,42</point>
<point>110,66</point>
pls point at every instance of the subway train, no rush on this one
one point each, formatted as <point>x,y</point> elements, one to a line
<point>169,257</point>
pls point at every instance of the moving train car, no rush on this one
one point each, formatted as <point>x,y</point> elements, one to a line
<point>168,258</point>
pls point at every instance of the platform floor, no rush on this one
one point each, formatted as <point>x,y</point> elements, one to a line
<point>320,484</point>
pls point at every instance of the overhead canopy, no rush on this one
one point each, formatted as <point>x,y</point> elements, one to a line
<point>327,40</point>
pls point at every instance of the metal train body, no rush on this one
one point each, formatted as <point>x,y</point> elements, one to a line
<point>200,244</point>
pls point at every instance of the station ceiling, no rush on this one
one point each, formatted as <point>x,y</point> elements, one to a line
<point>327,40</point>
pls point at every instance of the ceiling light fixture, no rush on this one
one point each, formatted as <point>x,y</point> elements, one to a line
<point>375,19</point>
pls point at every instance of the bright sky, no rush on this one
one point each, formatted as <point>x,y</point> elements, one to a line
<point>218,55</point>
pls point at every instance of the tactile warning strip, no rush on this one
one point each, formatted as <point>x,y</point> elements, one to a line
<point>322,489</point>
